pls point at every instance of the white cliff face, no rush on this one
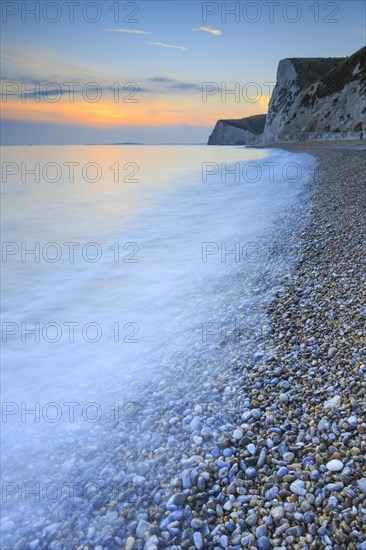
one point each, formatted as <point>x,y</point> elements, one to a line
<point>337,116</point>
<point>283,97</point>
<point>332,107</point>
<point>244,131</point>
<point>314,99</point>
<point>226,134</point>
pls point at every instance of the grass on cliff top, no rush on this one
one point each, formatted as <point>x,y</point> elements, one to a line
<point>254,124</point>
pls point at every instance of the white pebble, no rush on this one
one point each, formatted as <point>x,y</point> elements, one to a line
<point>238,434</point>
<point>251,448</point>
<point>335,465</point>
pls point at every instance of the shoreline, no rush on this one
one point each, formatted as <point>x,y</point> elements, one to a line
<point>238,457</point>
<point>306,146</point>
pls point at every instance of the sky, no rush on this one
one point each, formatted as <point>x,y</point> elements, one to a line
<point>76,72</point>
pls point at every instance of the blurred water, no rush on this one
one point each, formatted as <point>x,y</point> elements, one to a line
<point>158,292</point>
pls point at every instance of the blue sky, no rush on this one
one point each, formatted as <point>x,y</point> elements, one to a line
<point>168,49</point>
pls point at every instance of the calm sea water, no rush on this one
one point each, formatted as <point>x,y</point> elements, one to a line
<point>119,259</point>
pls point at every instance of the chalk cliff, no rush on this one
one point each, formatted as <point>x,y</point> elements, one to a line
<point>244,131</point>
<point>314,98</point>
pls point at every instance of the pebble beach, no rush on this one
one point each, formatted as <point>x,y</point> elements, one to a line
<point>266,452</point>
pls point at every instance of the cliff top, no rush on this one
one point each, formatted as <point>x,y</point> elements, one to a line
<point>310,69</point>
<point>254,124</point>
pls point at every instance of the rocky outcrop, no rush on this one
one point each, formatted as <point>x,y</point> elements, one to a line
<point>244,131</point>
<point>314,98</point>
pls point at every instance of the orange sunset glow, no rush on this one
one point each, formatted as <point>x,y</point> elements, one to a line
<point>107,113</point>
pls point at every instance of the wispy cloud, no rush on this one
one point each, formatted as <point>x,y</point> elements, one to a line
<point>164,45</point>
<point>169,84</point>
<point>216,32</point>
<point>129,31</point>
<point>185,86</point>
<point>161,79</point>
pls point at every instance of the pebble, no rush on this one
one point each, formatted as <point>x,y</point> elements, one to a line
<point>251,472</point>
<point>288,457</point>
<point>262,458</point>
<point>179,499</point>
<point>228,506</point>
<point>333,402</point>
<point>282,471</point>
<point>216,452</point>
<point>333,502</point>
<point>277,513</point>
<point>323,425</point>
<point>195,423</point>
<point>352,420</point>
<point>335,465</point>
<point>237,434</point>
<point>314,475</point>
<point>252,520</point>
<point>362,485</point>
<point>261,531</point>
<point>252,448</point>
<point>196,524</point>
<point>142,528</point>
<point>256,413</point>
<point>152,543</point>
<point>130,543</point>
<point>198,541</point>
<point>297,487</point>
<point>271,493</point>
<point>283,448</point>
<point>264,543</point>
<point>186,481</point>
<point>247,540</point>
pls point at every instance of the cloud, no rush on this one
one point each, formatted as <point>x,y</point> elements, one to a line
<point>185,86</point>
<point>175,84</point>
<point>216,32</point>
<point>129,31</point>
<point>164,45</point>
<point>161,79</point>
